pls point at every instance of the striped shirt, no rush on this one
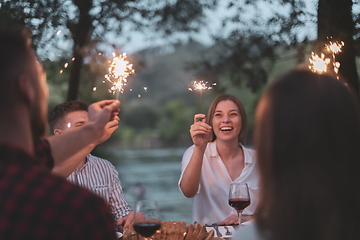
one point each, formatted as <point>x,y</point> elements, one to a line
<point>100,176</point>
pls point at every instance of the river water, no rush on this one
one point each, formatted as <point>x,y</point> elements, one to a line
<point>158,172</point>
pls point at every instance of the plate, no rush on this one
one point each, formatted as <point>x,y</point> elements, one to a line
<point>119,234</point>
<point>222,230</point>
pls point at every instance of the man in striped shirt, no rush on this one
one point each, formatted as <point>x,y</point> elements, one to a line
<point>94,173</point>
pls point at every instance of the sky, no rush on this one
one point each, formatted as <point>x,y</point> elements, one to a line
<point>139,41</point>
<point>134,41</point>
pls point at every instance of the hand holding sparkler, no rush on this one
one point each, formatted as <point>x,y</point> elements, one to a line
<point>103,116</point>
<point>200,131</point>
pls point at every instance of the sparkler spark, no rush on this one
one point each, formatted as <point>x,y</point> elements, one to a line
<point>334,47</point>
<point>320,64</point>
<point>118,72</point>
<point>200,86</point>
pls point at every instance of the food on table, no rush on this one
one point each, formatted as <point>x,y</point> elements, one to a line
<point>171,230</point>
<point>176,231</point>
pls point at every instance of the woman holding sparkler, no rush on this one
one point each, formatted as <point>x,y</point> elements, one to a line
<point>218,158</point>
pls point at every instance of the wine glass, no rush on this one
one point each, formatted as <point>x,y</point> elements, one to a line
<point>239,197</point>
<point>147,218</point>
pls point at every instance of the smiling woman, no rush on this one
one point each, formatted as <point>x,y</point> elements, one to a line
<point>217,159</point>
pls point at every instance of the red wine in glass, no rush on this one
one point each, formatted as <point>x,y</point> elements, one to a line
<point>146,218</point>
<point>239,203</point>
<point>147,229</point>
<point>239,197</point>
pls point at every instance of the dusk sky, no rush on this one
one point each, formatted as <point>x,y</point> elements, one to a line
<point>139,41</point>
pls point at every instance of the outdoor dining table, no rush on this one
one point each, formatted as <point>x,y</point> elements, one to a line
<point>216,231</point>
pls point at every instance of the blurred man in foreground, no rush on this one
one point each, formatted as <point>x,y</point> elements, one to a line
<point>35,204</point>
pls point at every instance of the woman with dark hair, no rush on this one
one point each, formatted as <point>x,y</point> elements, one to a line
<point>307,136</point>
<point>218,158</point>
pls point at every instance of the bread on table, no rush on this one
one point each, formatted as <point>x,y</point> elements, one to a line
<point>176,231</point>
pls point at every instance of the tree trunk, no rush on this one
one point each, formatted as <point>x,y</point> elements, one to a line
<point>81,34</point>
<point>335,21</point>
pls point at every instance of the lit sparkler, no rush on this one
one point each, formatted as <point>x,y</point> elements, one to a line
<point>118,72</point>
<point>318,64</point>
<point>321,64</point>
<point>200,86</point>
<point>334,47</point>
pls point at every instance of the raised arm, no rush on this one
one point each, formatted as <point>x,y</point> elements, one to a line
<point>70,147</point>
<point>66,167</point>
<point>200,134</point>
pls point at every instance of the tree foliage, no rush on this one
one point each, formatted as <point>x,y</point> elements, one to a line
<point>175,122</point>
<point>256,40</point>
<point>248,52</point>
<point>85,22</point>
<point>251,38</point>
<point>335,20</point>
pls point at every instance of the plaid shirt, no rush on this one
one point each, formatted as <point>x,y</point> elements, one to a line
<point>34,204</point>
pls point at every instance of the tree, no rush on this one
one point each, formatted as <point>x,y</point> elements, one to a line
<point>335,20</point>
<point>39,16</point>
<point>254,43</point>
<point>88,22</point>
<point>175,122</point>
<point>245,52</point>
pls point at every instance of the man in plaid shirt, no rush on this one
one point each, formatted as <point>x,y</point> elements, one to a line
<point>34,204</point>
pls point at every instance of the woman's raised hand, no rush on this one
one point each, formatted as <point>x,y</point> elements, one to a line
<point>200,131</point>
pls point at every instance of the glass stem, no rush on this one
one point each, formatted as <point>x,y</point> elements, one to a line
<point>239,215</point>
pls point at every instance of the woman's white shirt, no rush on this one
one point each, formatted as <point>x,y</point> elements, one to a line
<point>211,203</point>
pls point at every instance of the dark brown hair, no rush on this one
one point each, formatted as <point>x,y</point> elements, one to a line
<point>58,113</point>
<point>307,137</point>
<point>15,58</point>
<point>211,112</point>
